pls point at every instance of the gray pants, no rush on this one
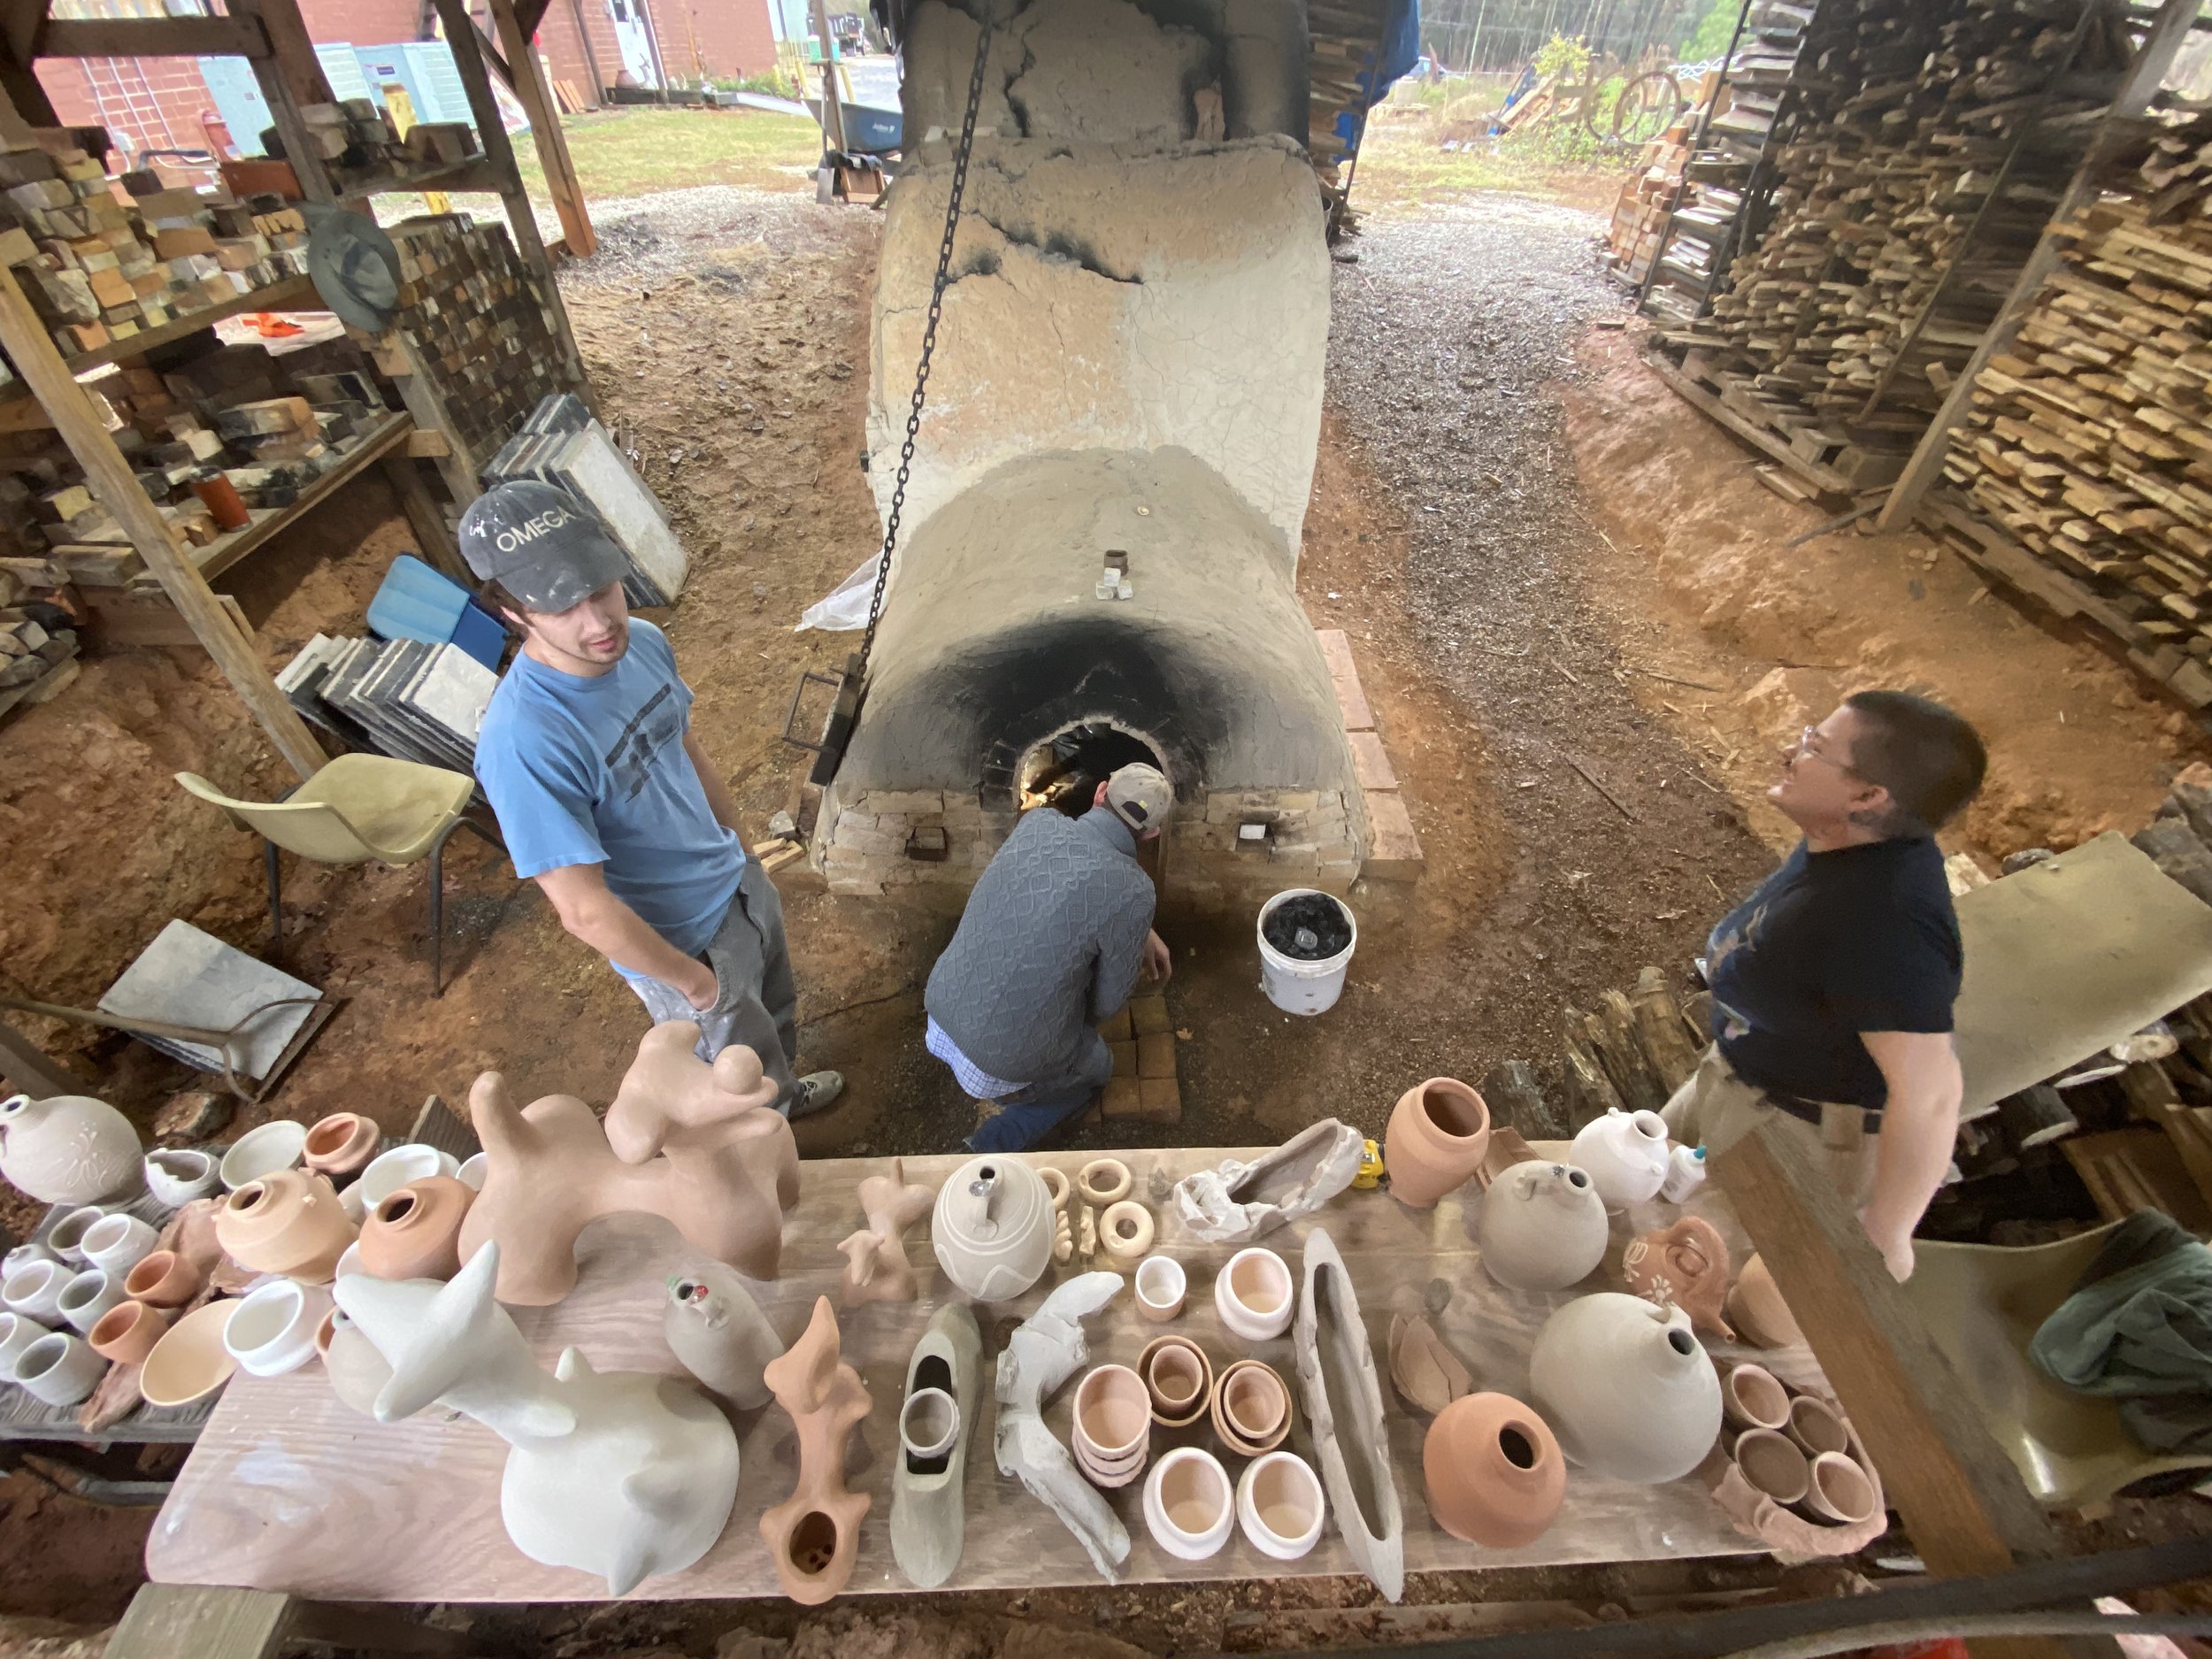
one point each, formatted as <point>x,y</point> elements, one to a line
<point>756,1003</point>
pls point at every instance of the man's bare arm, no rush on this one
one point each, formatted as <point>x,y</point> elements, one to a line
<point>1920,1123</point>
<point>720,802</point>
<point>588,910</point>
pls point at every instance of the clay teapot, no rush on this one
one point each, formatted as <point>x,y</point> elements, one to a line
<point>415,1231</point>
<point>288,1221</point>
<point>1625,1154</point>
<point>1541,1226</point>
<point>1683,1266</point>
<point>1438,1133</point>
<point>1626,1387</point>
<point>1494,1471</point>
<point>68,1148</point>
<point>993,1227</point>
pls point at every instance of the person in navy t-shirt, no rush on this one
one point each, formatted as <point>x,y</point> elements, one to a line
<point>606,799</point>
<point>1834,982</point>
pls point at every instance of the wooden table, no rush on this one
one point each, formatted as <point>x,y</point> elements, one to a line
<point>288,1490</point>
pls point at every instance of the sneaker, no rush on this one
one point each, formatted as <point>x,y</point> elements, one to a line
<point>815,1092</point>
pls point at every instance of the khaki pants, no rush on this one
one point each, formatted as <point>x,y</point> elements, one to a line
<point>1715,1108</point>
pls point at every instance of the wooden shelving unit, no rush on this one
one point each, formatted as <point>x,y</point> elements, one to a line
<point>225,550</point>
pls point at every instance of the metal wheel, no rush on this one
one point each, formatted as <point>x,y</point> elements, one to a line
<point>1647,107</point>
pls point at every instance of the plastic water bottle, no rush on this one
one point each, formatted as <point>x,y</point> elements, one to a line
<point>1686,1173</point>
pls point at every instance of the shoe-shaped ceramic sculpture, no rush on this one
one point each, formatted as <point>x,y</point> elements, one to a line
<point>936,1423</point>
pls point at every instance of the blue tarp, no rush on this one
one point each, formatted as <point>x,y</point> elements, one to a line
<point>1399,52</point>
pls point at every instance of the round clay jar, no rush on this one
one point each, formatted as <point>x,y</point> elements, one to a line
<point>415,1232</point>
<point>1438,1134</point>
<point>1494,1471</point>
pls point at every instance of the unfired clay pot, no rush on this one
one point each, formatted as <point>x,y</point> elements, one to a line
<point>814,1534</point>
<point>1774,1465</point>
<point>1111,1430</point>
<point>1179,1378</point>
<point>415,1231</point>
<point>1251,1407</point>
<point>68,1149</point>
<point>1817,1426</point>
<point>1280,1505</point>
<point>1494,1473</point>
<point>1757,1310</point>
<point>163,1279</point>
<point>1626,1387</point>
<point>341,1144</point>
<point>1438,1131</point>
<point>1625,1154</point>
<point>700,1145</point>
<point>1541,1226</point>
<point>1255,1296</point>
<point>993,1227</point>
<point>288,1221</point>
<point>126,1332</point>
<point>1753,1397</point>
<point>876,1268</point>
<point>1683,1266</point>
<point>1840,1494</point>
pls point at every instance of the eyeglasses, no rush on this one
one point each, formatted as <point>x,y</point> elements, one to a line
<point>1807,748</point>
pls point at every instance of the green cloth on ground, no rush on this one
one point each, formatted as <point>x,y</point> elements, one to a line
<point>2138,1328</point>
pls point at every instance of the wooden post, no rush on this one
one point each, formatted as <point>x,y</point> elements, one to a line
<point>591,57</point>
<point>2168,31</point>
<point>423,515</point>
<point>527,77</point>
<point>20,21</point>
<point>115,485</point>
<point>290,76</point>
<point>833,111</point>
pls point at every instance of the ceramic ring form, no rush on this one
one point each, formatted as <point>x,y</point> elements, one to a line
<point>65,1237</point>
<point>126,1332</point>
<point>1179,1378</point>
<point>1251,1408</point>
<point>60,1369</point>
<point>1280,1505</point>
<point>1840,1494</point>
<point>1814,1425</point>
<point>88,1296</point>
<point>1125,1230</point>
<point>1189,1506</point>
<point>273,1329</point>
<point>163,1279</point>
<point>1752,1397</point>
<point>1103,1181</point>
<point>929,1423</point>
<point>1773,1464</point>
<point>1056,1187</point>
<point>33,1290</point>
<point>1253,1295</point>
<point>118,1243</point>
<point>1162,1285</point>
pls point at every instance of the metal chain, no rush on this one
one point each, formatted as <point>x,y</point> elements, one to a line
<point>929,342</point>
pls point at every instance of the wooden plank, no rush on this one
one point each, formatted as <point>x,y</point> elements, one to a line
<point>526,75</point>
<point>24,1063</point>
<point>294,293</point>
<point>2115,129</point>
<point>26,101</point>
<point>112,481</point>
<point>1758,437</point>
<point>291,75</point>
<point>1393,851</point>
<point>1336,651</point>
<point>1371,762</point>
<point>225,550</point>
<point>153,37</point>
<point>206,1622</point>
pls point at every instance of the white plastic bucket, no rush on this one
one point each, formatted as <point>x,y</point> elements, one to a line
<point>1303,988</point>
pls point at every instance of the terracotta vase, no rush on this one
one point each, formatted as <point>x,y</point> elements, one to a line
<point>1683,1266</point>
<point>814,1534</point>
<point>876,1268</point>
<point>1438,1131</point>
<point>288,1223</point>
<point>993,1227</point>
<point>68,1148</point>
<point>341,1144</point>
<point>416,1233</point>
<point>1757,1310</point>
<point>715,1328</point>
<point>1494,1473</point>
<point>1541,1226</point>
<point>126,1332</point>
<point>1626,1387</point>
<point>700,1145</point>
<point>1625,1154</point>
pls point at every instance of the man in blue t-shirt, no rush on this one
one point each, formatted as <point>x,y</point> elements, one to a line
<point>606,799</point>
<point>1834,982</point>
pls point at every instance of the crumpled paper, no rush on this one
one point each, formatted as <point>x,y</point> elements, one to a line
<point>1240,1202</point>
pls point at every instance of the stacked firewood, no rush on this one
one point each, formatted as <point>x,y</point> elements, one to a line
<point>1924,151</point>
<point>2088,440</point>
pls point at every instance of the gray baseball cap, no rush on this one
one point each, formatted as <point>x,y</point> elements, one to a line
<point>1139,796</point>
<point>540,544</point>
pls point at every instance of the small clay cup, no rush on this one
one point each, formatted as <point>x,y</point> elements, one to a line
<point>1815,1426</point>
<point>1113,1414</point>
<point>1161,1288</point>
<point>1251,1408</point>
<point>126,1332</point>
<point>1842,1495</point>
<point>1753,1397</point>
<point>1773,1463</point>
<point>341,1144</point>
<point>1179,1378</point>
<point>65,1237</point>
<point>1255,1296</point>
<point>163,1279</point>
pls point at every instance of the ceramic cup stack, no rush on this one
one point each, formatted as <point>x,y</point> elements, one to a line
<point>1179,1378</point>
<point>1794,1449</point>
<point>1112,1433</point>
<point>1254,1296</point>
<point>1189,1506</point>
<point>1251,1408</point>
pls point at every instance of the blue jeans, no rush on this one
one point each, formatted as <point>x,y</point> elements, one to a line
<point>1033,1111</point>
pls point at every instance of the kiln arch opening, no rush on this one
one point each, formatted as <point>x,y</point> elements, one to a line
<point>1064,771</point>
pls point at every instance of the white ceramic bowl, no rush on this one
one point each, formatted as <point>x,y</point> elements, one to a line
<point>1189,1504</point>
<point>33,1289</point>
<point>17,1333</point>
<point>1255,1296</point>
<point>1280,1505</point>
<point>60,1369</point>
<point>264,1151</point>
<point>473,1169</point>
<point>1161,1287</point>
<point>118,1243</point>
<point>274,1330</point>
<point>65,1238</point>
<point>176,1176</point>
<point>88,1295</point>
<point>388,1171</point>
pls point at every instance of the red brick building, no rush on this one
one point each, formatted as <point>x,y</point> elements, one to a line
<point>162,103</point>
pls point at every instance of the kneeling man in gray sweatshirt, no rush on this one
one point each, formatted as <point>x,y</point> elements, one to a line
<point>1051,945</point>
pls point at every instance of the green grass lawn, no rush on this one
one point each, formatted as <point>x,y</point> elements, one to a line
<point>635,152</point>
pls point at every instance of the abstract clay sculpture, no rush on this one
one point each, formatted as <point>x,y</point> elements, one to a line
<point>1625,1154</point>
<point>1494,1471</point>
<point>1541,1226</point>
<point>620,1474</point>
<point>716,1329</point>
<point>700,1145</point>
<point>68,1148</point>
<point>876,1268</point>
<point>943,1375</point>
<point>1626,1387</point>
<point>288,1221</point>
<point>1046,1349</point>
<point>1684,1266</point>
<point>1240,1202</point>
<point>814,1534</point>
<point>415,1231</point>
<point>993,1227</point>
<point>1427,1375</point>
<point>1344,1409</point>
<point>1438,1134</point>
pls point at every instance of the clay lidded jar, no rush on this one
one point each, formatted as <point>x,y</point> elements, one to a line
<point>992,1227</point>
<point>1683,1266</point>
<point>287,1221</point>
<point>415,1231</point>
<point>1626,1387</point>
<point>68,1148</point>
<point>341,1144</point>
<point>1541,1227</point>
<point>1438,1134</point>
<point>1494,1471</point>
